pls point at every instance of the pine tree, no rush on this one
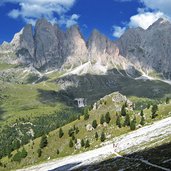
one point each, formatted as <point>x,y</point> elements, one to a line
<point>39,152</point>
<point>77,130</point>
<point>87,144</point>
<point>75,141</point>
<point>142,113</point>
<point>107,117</point>
<point>123,110</point>
<point>17,157</point>
<point>94,124</point>
<point>73,137</point>
<point>148,106</point>
<point>16,144</point>
<point>43,141</point>
<point>96,136</point>
<point>82,143</point>
<point>133,124</point>
<point>70,132</point>
<point>167,100</point>
<point>71,144</point>
<point>78,117</point>
<point>154,109</point>
<point>142,122</point>
<point>61,133</point>
<point>103,137</point>
<point>86,116</point>
<point>102,119</point>
<point>24,153</point>
<point>118,121</point>
<point>127,120</point>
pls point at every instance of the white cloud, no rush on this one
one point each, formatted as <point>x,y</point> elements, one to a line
<point>146,16</point>
<point>31,10</point>
<point>69,21</point>
<point>144,20</point>
<point>118,31</point>
<point>160,5</point>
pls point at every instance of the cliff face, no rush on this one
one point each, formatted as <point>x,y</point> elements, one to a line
<point>48,48</point>
<point>149,49</point>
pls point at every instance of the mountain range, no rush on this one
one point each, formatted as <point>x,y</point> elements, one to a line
<point>46,47</point>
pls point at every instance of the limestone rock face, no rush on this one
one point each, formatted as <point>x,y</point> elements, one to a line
<point>101,49</point>
<point>47,50</point>
<point>47,47</point>
<point>76,52</point>
<point>149,49</point>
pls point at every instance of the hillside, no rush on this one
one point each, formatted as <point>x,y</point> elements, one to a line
<point>59,147</point>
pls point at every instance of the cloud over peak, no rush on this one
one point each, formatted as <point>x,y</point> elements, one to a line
<point>146,16</point>
<point>53,10</point>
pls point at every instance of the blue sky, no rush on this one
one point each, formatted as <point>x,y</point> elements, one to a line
<point>111,17</point>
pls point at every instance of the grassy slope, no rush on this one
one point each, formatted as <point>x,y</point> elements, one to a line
<point>54,142</point>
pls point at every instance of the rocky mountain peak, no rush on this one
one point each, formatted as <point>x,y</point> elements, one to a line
<point>17,39</point>
<point>49,47</point>
<point>160,24</point>
<point>149,49</point>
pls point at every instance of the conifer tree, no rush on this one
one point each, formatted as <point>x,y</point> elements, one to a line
<point>96,136</point>
<point>86,116</point>
<point>82,143</point>
<point>107,117</point>
<point>142,113</point>
<point>39,152</point>
<point>154,109</point>
<point>118,121</point>
<point>61,133</point>
<point>127,120</point>
<point>24,153</point>
<point>77,130</point>
<point>102,120</point>
<point>142,122</point>
<point>133,124</point>
<point>87,144</point>
<point>123,110</point>
<point>43,141</point>
<point>94,124</point>
<point>71,143</point>
<point>167,100</point>
<point>103,137</point>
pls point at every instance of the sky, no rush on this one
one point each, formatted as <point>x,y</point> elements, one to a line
<point>110,17</point>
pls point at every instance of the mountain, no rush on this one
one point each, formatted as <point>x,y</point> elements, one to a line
<point>149,49</point>
<point>47,47</point>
